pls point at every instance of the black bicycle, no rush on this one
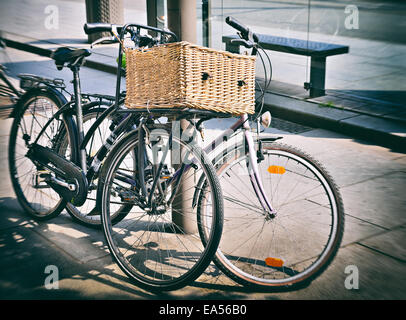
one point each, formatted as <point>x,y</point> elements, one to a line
<point>9,93</point>
<point>159,246</point>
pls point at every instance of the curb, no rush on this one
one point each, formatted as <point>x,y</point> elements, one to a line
<point>383,132</point>
<point>377,130</point>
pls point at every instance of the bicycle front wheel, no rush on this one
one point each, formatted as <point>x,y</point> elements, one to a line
<point>160,247</point>
<point>292,248</point>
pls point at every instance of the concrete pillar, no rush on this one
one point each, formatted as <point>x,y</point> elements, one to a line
<point>182,21</point>
<point>156,14</point>
<point>109,11</point>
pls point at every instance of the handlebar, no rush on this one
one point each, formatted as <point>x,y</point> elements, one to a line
<point>237,25</point>
<point>94,27</point>
<point>246,34</point>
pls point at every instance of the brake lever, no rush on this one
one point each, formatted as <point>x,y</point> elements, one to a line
<point>242,42</point>
<point>104,40</point>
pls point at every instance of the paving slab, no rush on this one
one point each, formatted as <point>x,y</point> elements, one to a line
<point>80,242</point>
<point>378,200</point>
<point>391,243</point>
<point>380,278</point>
<point>303,107</point>
<point>346,161</point>
<point>345,168</point>
<point>398,116</point>
<point>24,258</point>
<point>357,229</point>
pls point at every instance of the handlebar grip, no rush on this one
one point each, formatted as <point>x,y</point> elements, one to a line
<point>237,25</point>
<point>94,27</point>
<point>97,27</point>
<point>240,27</point>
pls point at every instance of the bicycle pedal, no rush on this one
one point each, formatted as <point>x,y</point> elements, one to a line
<point>128,196</point>
<point>41,176</point>
<point>166,172</point>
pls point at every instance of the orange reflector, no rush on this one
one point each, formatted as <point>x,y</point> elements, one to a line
<point>276,169</point>
<point>274,262</point>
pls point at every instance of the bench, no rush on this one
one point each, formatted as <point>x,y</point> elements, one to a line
<point>318,51</point>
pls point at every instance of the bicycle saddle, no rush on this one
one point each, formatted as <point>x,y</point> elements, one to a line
<point>66,55</point>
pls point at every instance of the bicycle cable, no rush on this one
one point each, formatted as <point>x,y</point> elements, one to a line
<point>267,81</point>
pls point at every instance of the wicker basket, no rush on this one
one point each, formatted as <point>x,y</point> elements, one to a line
<point>182,74</point>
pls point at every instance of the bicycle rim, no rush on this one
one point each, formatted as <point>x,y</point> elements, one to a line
<point>299,243</point>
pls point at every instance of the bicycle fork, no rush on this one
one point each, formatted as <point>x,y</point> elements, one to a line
<point>252,165</point>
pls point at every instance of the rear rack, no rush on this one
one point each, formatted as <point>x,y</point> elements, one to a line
<point>32,81</point>
<point>178,112</point>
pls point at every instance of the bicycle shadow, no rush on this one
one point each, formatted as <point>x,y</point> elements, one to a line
<point>215,283</point>
<point>27,247</point>
<point>81,256</point>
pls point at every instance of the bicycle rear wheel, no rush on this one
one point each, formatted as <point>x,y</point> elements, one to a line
<point>35,108</point>
<point>297,245</point>
<point>150,245</point>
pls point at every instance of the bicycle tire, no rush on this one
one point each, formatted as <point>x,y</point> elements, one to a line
<point>249,266</point>
<point>166,255</point>
<point>53,99</point>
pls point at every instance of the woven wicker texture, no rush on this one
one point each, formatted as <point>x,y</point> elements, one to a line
<point>182,74</point>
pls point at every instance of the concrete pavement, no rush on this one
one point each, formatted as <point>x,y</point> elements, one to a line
<point>371,179</point>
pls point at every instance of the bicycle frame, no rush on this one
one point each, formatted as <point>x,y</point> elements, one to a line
<point>95,165</point>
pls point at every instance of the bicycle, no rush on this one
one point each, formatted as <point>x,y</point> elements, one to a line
<point>285,226</point>
<point>9,93</point>
<point>243,253</point>
<point>51,94</point>
<point>68,174</point>
<point>39,99</point>
<point>248,263</point>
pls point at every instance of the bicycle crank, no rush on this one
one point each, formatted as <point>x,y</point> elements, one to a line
<point>67,179</point>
